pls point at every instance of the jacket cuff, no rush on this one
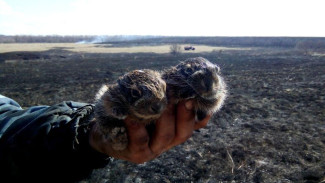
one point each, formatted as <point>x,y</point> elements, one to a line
<point>81,142</point>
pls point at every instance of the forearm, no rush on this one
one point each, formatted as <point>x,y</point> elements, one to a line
<point>56,141</point>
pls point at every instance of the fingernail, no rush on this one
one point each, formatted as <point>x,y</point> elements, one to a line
<point>189,105</point>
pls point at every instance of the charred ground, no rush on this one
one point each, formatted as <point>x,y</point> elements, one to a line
<point>271,129</point>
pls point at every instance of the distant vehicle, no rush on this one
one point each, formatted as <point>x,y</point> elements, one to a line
<point>189,48</point>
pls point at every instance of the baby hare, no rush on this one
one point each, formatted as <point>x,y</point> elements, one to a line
<point>197,79</point>
<point>139,95</point>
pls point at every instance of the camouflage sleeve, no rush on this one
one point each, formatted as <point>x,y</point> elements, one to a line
<point>47,142</point>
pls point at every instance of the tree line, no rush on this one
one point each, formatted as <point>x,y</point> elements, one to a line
<point>288,42</point>
<point>44,39</point>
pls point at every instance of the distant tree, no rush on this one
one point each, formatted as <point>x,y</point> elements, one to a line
<point>44,39</point>
<point>6,39</point>
<point>310,46</point>
<point>175,49</point>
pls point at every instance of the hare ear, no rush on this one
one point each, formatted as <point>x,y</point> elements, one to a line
<point>119,112</point>
<point>101,92</point>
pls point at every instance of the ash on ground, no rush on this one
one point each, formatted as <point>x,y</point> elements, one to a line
<point>271,128</point>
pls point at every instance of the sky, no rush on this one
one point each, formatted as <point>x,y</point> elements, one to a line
<point>163,17</point>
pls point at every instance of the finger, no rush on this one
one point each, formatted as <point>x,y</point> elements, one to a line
<point>137,150</point>
<point>96,139</point>
<point>202,123</point>
<point>138,136</point>
<point>164,130</point>
<point>185,120</point>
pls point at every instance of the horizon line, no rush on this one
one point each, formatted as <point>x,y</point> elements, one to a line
<point>150,35</point>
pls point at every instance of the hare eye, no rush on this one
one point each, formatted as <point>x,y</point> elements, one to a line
<point>188,70</point>
<point>135,93</point>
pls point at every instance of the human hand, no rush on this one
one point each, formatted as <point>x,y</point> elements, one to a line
<point>174,127</point>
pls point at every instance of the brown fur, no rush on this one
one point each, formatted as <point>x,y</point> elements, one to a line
<point>139,95</point>
<point>197,79</point>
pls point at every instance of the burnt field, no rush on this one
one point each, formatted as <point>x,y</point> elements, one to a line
<point>271,128</point>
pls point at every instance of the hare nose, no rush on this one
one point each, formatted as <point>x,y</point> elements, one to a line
<point>200,115</point>
<point>208,84</point>
<point>156,108</point>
